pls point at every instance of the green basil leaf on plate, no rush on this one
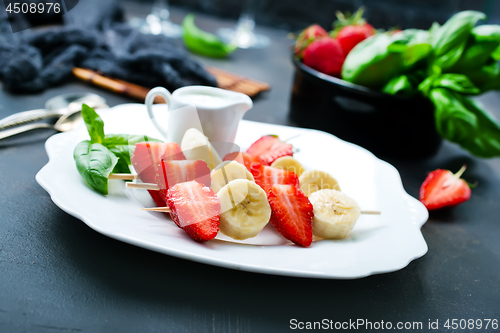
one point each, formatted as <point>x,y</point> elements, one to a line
<point>463,121</point>
<point>123,145</point>
<point>94,163</point>
<point>94,124</point>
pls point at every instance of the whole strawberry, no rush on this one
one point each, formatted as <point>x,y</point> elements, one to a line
<point>325,55</point>
<point>306,37</point>
<point>351,30</point>
<point>352,35</point>
<point>442,188</point>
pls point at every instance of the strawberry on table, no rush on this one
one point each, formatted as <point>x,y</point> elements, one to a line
<point>291,214</point>
<point>269,148</point>
<point>195,209</point>
<point>325,55</point>
<point>442,188</point>
<point>243,158</point>
<point>266,177</point>
<point>174,172</point>
<point>306,37</point>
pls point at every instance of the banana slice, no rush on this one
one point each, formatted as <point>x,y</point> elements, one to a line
<point>195,146</point>
<point>245,210</point>
<point>289,163</point>
<point>227,171</point>
<point>314,180</point>
<point>335,214</point>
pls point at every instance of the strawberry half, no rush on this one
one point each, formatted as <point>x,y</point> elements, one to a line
<point>442,188</point>
<point>174,172</point>
<point>292,214</point>
<point>243,158</point>
<point>269,148</point>
<point>266,177</point>
<point>146,160</point>
<point>195,209</point>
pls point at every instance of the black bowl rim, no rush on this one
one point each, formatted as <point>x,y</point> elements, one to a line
<point>355,88</point>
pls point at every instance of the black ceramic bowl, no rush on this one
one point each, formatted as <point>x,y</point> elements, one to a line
<point>387,125</point>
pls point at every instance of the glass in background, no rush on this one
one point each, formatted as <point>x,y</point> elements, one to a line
<point>158,21</point>
<point>243,34</point>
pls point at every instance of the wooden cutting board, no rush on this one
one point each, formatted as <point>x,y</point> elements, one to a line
<point>225,80</point>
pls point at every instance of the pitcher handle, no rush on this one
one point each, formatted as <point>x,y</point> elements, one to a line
<point>150,97</point>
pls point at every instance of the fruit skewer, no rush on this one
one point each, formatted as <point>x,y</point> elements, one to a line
<point>149,186</point>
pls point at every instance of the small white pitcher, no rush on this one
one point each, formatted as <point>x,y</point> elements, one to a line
<point>218,111</point>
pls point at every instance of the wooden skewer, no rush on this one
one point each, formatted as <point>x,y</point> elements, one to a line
<point>167,210</point>
<point>371,212</point>
<point>143,186</point>
<point>122,176</point>
<point>158,209</point>
<point>150,186</point>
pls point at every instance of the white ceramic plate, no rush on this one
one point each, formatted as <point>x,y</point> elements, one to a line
<point>377,244</point>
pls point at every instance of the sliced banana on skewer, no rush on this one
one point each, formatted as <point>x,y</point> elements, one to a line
<point>313,180</point>
<point>335,214</point>
<point>289,163</point>
<point>245,210</point>
<point>195,146</point>
<point>226,172</point>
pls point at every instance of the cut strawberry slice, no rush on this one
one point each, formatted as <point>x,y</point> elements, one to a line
<point>268,148</point>
<point>266,177</point>
<point>174,172</point>
<point>442,188</point>
<point>292,214</point>
<point>146,160</point>
<point>243,158</point>
<point>195,209</point>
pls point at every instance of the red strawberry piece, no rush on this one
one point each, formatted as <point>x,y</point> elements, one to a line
<point>195,209</point>
<point>306,37</point>
<point>351,35</point>
<point>325,55</point>
<point>266,177</point>
<point>174,172</point>
<point>268,148</point>
<point>442,188</point>
<point>146,160</point>
<point>243,158</point>
<point>291,214</point>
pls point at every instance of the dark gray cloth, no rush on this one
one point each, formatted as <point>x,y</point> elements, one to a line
<point>94,37</point>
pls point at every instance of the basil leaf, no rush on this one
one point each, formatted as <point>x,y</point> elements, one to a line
<point>450,39</point>
<point>456,82</point>
<point>94,123</point>
<point>463,121</point>
<point>126,139</point>
<point>123,145</point>
<point>94,163</point>
<point>371,64</point>
<point>414,44</point>
<point>400,85</point>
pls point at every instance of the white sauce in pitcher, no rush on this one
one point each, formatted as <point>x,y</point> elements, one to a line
<point>203,100</point>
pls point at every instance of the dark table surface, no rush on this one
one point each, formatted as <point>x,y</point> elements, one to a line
<point>57,274</point>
